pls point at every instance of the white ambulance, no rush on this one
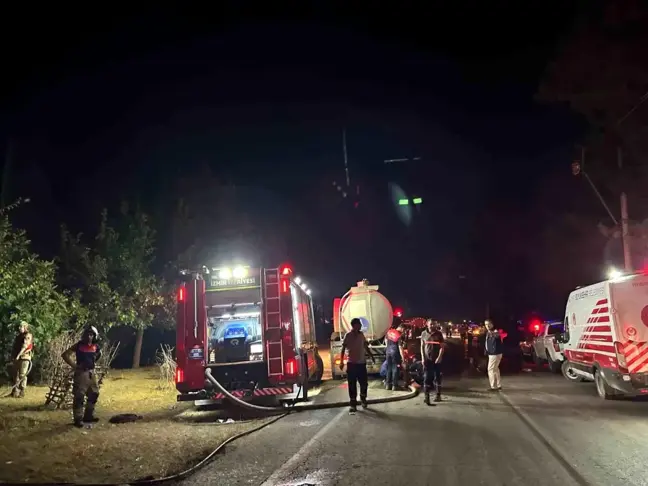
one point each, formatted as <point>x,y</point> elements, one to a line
<point>606,336</point>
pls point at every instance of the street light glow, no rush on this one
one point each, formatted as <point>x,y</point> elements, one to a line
<point>613,273</point>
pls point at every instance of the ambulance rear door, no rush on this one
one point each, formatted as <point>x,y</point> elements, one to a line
<point>629,310</point>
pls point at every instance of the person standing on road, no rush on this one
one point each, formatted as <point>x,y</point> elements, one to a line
<point>394,356</point>
<point>432,349</point>
<point>22,355</point>
<point>86,354</point>
<point>356,343</point>
<point>494,350</point>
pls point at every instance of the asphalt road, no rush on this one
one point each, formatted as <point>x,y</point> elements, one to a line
<point>541,430</point>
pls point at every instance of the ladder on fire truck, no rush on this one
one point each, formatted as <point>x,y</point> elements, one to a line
<point>272,324</point>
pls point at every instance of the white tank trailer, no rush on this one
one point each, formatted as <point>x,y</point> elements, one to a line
<point>376,315</point>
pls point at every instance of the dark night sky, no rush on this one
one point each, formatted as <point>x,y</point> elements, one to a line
<point>99,110</point>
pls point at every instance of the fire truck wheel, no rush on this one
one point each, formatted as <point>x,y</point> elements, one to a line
<point>604,390</point>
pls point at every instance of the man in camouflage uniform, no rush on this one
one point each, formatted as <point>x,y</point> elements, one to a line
<point>22,352</point>
<point>86,353</point>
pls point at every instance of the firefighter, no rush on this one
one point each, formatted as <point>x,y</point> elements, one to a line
<point>86,353</point>
<point>22,356</point>
<point>394,356</point>
<point>432,354</point>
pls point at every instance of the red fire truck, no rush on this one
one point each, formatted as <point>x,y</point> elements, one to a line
<point>253,328</point>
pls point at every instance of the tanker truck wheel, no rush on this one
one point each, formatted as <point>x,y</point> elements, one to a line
<point>319,362</point>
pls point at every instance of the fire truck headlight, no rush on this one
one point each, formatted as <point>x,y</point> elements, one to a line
<point>225,273</point>
<point>256,348</point>
<point>240,272</point>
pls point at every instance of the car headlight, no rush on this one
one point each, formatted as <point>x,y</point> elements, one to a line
<point>256,348</point>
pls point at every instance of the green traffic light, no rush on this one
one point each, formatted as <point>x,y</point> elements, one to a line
<point>403,202</point>
<point>417,200</point>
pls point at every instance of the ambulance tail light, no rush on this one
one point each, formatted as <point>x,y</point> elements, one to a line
<point>179,375</point>
<point>181,294</point>
<point>623,365</point>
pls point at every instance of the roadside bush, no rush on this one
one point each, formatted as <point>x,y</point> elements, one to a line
<point>166,365</point>
<point>28,292</point>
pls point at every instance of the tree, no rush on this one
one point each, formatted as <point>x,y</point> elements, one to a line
<point>601,74</point>
<point>28,292</point>
<point>116,278</point>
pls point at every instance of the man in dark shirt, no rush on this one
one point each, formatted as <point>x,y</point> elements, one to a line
<point>432,354</point>
<point>86,354</point>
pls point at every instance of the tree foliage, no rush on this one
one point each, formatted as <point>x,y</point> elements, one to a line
<point>601,73</point>
<point>28,291</point>
<point>114,276</point>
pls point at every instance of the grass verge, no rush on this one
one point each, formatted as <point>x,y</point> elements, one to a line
<point>40,445</point>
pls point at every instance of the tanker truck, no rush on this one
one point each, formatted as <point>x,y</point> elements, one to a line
<point>375,313</point>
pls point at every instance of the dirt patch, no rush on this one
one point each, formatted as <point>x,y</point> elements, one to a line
<point>39,445</point>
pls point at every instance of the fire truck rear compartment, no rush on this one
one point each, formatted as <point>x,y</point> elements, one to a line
<point>234,337</point>
<point>246,375</point>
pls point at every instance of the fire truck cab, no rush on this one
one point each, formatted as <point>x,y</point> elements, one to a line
<point>253,328</point>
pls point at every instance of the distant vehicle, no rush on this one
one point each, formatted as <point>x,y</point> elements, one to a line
<point>606,336</point>
<point>376,315</point>
<point>253,328</point>
<point>544,348</point>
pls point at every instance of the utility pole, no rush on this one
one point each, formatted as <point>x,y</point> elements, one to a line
<point>625,234</point>
<point>578,167</point>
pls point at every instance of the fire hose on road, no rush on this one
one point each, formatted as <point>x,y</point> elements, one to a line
<point>281,410</point>
<point>316,406</point>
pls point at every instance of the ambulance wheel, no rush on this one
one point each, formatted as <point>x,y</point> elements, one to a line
<point>568,372</point>
<point>605,391</point>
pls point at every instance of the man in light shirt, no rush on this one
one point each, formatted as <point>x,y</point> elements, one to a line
<point>356,343</point>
